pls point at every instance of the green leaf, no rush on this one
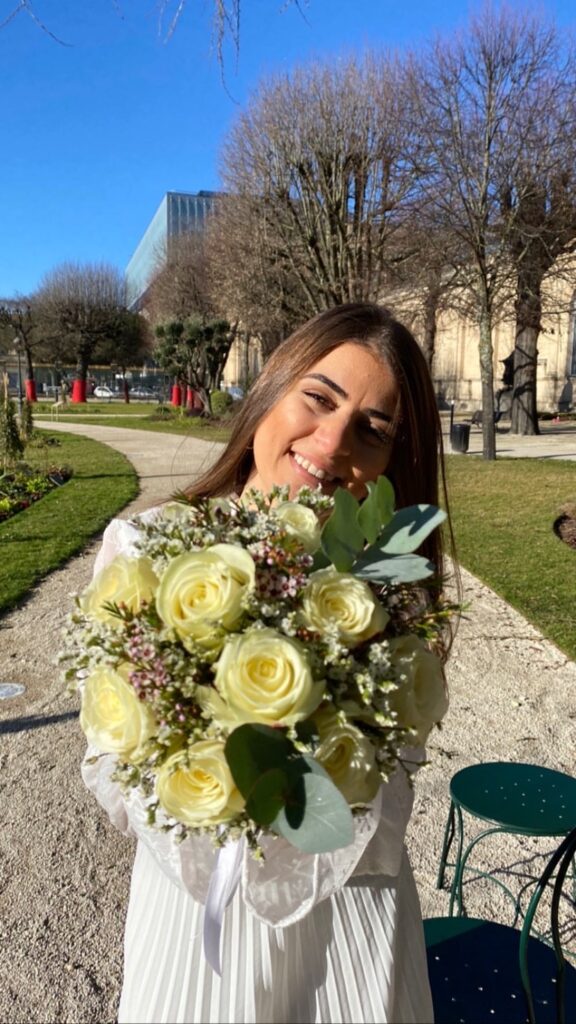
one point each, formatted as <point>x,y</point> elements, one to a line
<point>317,818</point>
<point>381,568</point>
<point>251,750</point>
<point>377,509</point>
<point>408,528</point>
<point>342,537</point>
<point>268,797</point>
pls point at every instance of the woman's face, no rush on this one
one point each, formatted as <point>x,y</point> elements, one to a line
<point>333,428</point>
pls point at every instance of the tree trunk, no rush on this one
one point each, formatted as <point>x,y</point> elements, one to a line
<point>29,363</point>
<point>524,415</point>
<point>430,326</point>
<point>487,378</point>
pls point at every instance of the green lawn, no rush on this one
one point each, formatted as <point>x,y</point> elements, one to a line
<point>503,513</point>
<point>42,537</point>
<point>142,418</point>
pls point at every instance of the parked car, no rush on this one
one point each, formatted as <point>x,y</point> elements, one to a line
<point>142,392</point>
<point>103,391</point>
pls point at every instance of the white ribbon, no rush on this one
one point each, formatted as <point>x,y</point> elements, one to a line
<point>223,885</point>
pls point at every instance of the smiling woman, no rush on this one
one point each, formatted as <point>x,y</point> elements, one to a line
<point>306,937</point>
<point>322,432</point>
<point>347,396</point>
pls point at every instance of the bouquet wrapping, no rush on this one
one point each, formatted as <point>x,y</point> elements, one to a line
<point>258,665</point>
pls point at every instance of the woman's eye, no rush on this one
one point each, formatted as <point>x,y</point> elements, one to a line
<point>319,399</point>
<point>378,435</point>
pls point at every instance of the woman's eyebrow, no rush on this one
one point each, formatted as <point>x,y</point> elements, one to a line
<point>376,413</point>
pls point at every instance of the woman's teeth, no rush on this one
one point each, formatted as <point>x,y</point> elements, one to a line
<point>320,474</point>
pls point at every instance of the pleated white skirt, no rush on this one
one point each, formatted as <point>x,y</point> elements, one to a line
<point>358,957</point>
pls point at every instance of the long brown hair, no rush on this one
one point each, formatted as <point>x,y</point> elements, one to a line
<point>416,466</point>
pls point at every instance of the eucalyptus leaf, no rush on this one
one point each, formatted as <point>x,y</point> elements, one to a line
<point>251,750</point>
<point>268,796</point>
<point>342,538</point>
<point>317,818</point>
<point>408,528</point>
<point>381,568</point>
<point>377,509</point>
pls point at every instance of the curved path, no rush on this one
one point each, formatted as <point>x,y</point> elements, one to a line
<point>64,871</point>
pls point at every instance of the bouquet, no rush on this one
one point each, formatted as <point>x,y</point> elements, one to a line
<point>258,665</point>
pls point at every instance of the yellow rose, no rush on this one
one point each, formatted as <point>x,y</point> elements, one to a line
<point>301,522</point>
<point>201,592</point>
<point>421,699</point>
<point>113,718</point>
<point>196,787</point>
<point>129,581</point>
<point>348,757</point>
<point>339,599</point>
<point>265,677</point>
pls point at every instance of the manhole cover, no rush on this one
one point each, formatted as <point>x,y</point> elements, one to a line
<point>11,690</point>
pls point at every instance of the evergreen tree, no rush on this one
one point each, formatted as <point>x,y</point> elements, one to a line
<point>11,444</point>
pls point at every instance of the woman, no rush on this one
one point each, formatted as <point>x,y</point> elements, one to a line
<point>331,937</point>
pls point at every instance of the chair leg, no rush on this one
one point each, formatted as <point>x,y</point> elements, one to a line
<point>456,888</point>
<point>448,837</point>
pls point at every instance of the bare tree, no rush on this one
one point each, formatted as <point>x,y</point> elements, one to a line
<point>539,207</point>
<point>180,286</point>
<point>20,325</point>
<point>471,94</point>
<point>80,306</point>
<point>319,168</point>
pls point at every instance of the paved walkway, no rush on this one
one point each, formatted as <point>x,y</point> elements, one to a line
<point>64,871</point>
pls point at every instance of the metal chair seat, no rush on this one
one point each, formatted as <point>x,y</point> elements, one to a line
<point>481,971</point>
<point>522,799</point>
<point>471,969</point>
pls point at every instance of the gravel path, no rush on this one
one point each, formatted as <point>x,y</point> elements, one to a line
<point>65,872</point>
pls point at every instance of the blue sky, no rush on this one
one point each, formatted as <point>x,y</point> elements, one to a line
<point>95,132</point>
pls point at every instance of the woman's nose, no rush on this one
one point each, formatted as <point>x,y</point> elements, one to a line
<point>334,435</point>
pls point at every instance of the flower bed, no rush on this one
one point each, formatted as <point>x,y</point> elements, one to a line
<point>21,487</point>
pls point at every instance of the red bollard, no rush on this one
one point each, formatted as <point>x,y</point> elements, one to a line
<point>31,390</point>
<point>79,391</point>
<point>176,398</point>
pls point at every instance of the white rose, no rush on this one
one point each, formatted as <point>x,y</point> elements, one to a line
<point>265,677</point>
<point>113,718</point>
<point>301,522</point>
<point>340,599</point>
<point>201,592</point>
<point>348,756</point>
<point>124,580</point>
<point>421,699</point>
<point>196,787</point>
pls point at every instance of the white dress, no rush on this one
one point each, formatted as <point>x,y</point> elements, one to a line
<point>313,939</point>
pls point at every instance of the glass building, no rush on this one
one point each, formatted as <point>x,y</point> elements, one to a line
<point>178,213</point>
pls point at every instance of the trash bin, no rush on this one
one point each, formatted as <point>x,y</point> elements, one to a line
<point>460,437</point>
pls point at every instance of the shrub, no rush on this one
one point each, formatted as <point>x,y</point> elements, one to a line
<point>220,402</point>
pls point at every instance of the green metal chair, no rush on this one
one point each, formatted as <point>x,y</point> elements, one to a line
<point>480,971</point>
<point>521,799</point>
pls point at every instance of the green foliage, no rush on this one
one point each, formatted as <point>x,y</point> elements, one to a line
<point>220,402</point>
<point>287,791</point>
<point>392,537</point>
<point>11,443</point>
<point>194,350</point>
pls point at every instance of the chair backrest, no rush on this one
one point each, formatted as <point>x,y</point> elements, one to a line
<point>560,863</point>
